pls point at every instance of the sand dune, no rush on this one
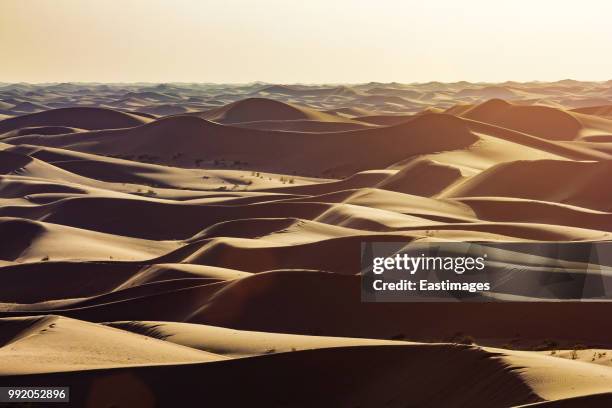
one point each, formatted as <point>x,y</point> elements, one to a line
<point>489,92</point>
<point>327,386</point>
<point>306,90</point>
<point>387,120</point>
<point>542,121</point>
<point>488,368</point>
<point>98,347</point>
<point>83,118</point>
<point>569,182</point>
<point>209,250</point>
<point>604,111</point>
<point>52,242</point>
<point>198,139</point>
<point>423,177</point>
<point>304,125</point>
<point>262,109</point>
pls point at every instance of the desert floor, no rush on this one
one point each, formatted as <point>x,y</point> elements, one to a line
<point>199,245</point>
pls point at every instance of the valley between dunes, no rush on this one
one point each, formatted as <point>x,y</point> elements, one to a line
<point>174,245</point>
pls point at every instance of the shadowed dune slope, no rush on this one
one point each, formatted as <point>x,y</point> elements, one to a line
<point>604,110</point>
<point>569,182</point>
<point>261,109</point>
<point>341,153</point>
<point>83,118</point>
<point>543,121</point>
<point>333,377</point>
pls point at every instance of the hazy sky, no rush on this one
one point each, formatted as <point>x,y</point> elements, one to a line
<point>310,41</point>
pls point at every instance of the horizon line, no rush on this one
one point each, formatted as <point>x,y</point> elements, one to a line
<point>75,82</point>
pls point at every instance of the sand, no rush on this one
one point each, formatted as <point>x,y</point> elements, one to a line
<point>181,245</point>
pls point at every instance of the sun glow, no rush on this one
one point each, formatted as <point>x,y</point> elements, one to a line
<point>314,41</point>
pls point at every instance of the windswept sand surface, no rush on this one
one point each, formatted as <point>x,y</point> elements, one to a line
<point>199,245</point>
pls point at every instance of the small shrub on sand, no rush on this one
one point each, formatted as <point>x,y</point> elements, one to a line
<point>461,338</point>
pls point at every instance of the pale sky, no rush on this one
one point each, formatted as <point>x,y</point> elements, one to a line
<point>306,41</point>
